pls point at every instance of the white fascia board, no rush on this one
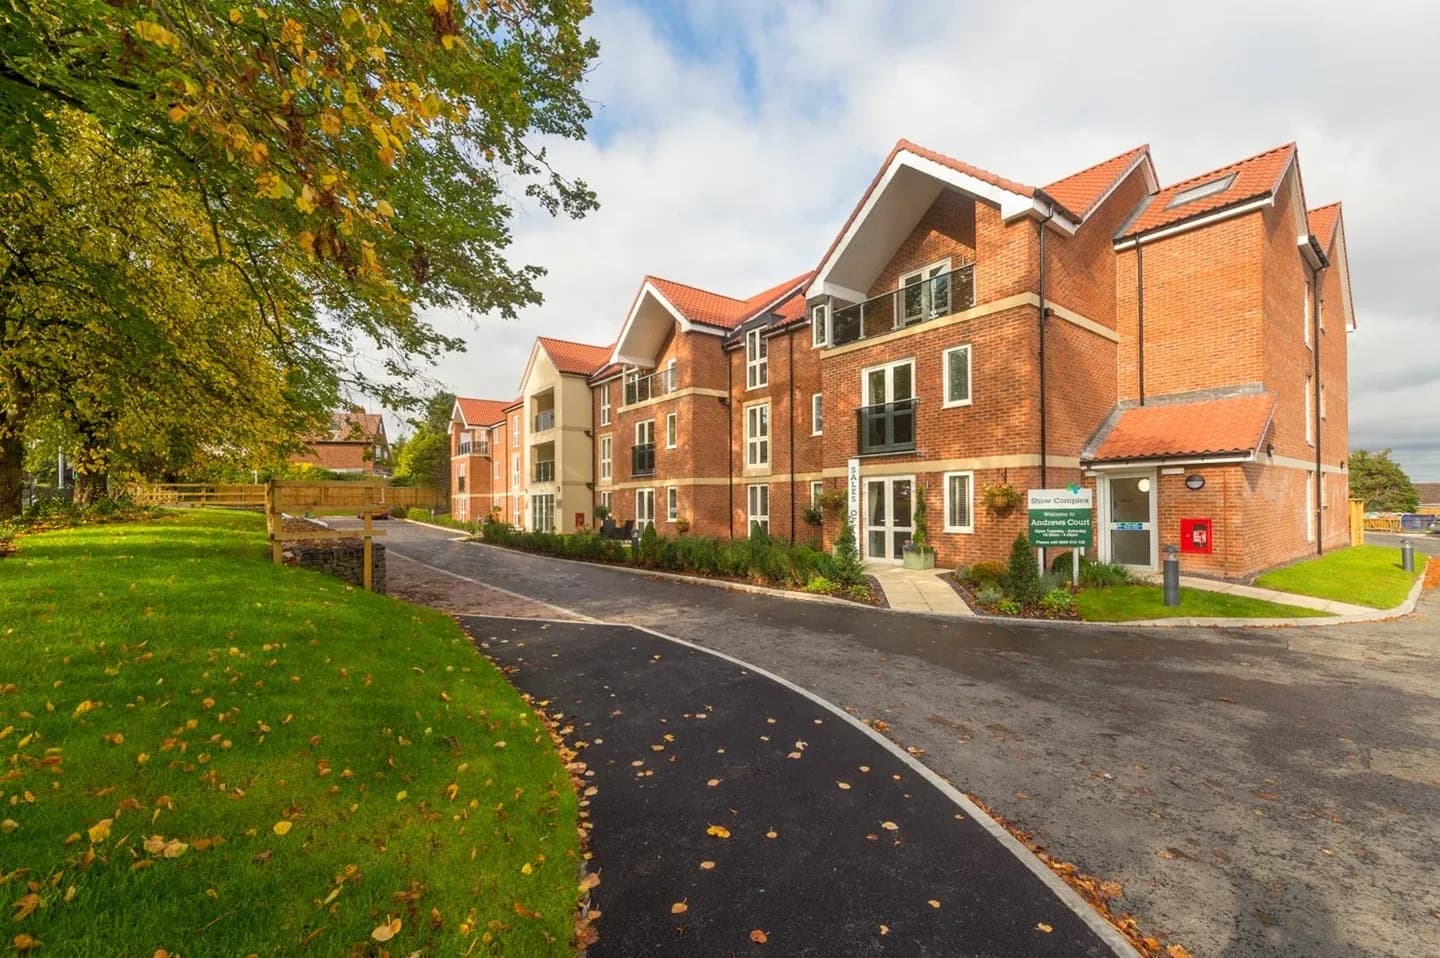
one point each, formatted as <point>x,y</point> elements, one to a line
<point>1044,213</point>
<point>1174,461</point>
<point>457,415</point>
<point>1011,204</point>
<point>769,306</point>
<point>1307,246</point>
<point>1341,259</point>
<point>1198,222</point>
<point>837,291</point>
<point>648,290</point>
<point>1152,183</point>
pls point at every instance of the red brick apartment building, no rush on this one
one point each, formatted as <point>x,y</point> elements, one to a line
<point>1180,350</point>
<point>354,445</point>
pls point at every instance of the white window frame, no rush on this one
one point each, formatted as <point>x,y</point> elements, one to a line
<point>969,376</point>
<point>817,414</point>
<point>514,472</point>
<point>605,501</point>
<point>672,430</point>
<point>607,457</point>
<point>757,434</point>
<point>542,506</point>
<point>889,369</point>
<point>645,428</point>
<point>644,516</point>
<point>927,274</point>
<point>969,506</point>
<point>672,503</point>
<point>605,404</point>
<point>817,489</point>
<point>819,326</point>
<point>757,359</point>
<point>1310,410</point>
<point>753,514</point>
<point>1322,402</point>
<point>515,432</point>
<point>1307,311</point>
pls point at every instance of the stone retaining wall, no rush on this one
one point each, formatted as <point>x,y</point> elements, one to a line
<point>342,558</point>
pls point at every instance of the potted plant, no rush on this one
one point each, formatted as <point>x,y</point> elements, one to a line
<point>813,515</point>
<point>602,512</point>
<point>682,525</point>
<point>1001,496</point>
<point>918,554</point>
<point>833,500</point>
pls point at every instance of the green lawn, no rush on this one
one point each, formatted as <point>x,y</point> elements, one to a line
<point>1128,603</point>
<point>1362,575</point>
<point>206,753</point>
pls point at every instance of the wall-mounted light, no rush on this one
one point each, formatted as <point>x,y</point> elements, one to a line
<point>1270,450</point>
<point>1143,485</point>
<point>1195,481</point>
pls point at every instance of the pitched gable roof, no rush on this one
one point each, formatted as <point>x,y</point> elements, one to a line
<point>1248,179</point>
<point>1084,190</point>
<point>720,311</point>
<point>481,412</point>
<point>1322,222</point>
<point>353,426</point>
<point>578,359</point>
<point>1232,426</point>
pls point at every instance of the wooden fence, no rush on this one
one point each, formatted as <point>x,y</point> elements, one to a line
<point>284,497</point>
<point>300,496</point>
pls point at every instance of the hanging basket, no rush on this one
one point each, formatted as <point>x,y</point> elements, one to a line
<point>1001,497</point>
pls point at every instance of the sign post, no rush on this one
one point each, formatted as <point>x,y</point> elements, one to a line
<point>1060,518</point>
<point>852,500</point>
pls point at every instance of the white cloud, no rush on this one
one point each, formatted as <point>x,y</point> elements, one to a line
<point>734,183</point>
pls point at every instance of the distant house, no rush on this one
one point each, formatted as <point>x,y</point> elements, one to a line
<point>1429,494</point>
<point>355,445</point>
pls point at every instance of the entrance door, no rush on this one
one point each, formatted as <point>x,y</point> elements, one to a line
<point>888,517</point>
<point>1130,519</point>
<point>644,508</point>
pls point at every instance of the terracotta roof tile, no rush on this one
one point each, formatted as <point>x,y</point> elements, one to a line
<point>1251,178</point>
<point>579,359</point>
<point>1322,224</point>
<point>1208,427</point>
<point>481,412</point>
<point>1081,191</point>
<point>352,426</point>
<point>714,309</point>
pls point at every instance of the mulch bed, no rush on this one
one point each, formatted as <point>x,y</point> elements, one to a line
<point>1026,612</point>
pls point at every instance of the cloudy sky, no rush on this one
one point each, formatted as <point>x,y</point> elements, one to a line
<point>731,138</point>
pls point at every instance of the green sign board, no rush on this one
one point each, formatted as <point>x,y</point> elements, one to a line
<point>1061,518</point>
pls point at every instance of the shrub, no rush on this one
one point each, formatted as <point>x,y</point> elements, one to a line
<point>647,548</point>
<point>1007,607</point>
<point>987,573</point>
<point>399,512</point>
<point>920,536</point>
<point>1058,602</point>
<point>990,596</point>
<point>820,584</point>
<point>847,570</point>
<point>1022,580</point>
<point>1103,575</point>
<point>861,591</point>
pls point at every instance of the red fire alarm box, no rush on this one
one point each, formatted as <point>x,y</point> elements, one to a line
<point>1196,536</point>
<point>579,520</point>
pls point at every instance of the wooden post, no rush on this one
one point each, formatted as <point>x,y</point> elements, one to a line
<point>1357,522</point>
<point>272,519</point>
<point>369,545</point>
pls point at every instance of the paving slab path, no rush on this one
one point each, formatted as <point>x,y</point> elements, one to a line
<point>831,844</point>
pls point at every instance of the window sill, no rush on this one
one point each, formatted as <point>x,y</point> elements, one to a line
<point>958,404</point>
<point>814,434</point>
<point>963,530</point>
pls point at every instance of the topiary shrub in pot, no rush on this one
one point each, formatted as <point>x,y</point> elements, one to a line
<point>918,554</point>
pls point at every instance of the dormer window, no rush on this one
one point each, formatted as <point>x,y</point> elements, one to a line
<point>819,331</point>
<point>1200,192</point>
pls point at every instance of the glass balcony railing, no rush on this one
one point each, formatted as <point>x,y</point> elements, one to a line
<point>659,383</point>
<point>543,471</point>
<point>642,459</point>
<point>917,302</point>
<point>469,447</point>
<point>887,428</point>
<point>545,420</point>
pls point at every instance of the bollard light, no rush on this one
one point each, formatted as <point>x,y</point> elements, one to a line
<point>1172,576</point>
<point>1407,555</point>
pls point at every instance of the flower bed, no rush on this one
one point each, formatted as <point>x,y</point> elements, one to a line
<point>758,560</point>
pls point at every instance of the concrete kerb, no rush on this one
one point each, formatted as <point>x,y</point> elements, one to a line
<point>1068,896</point>
<point>1379,615</point>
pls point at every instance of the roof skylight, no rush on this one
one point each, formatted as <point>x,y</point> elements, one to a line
<point>1200,192</point>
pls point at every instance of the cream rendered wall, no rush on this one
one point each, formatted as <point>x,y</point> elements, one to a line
<point>574,451</point>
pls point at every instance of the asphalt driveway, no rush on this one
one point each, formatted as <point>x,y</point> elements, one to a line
<point>726,804</point>
<point>1259,792</point>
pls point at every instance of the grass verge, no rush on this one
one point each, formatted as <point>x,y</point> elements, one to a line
<point>1360,575</point>
<point>210,754</point>
<point>1129,603</point>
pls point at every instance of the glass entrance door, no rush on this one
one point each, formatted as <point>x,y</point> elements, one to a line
<point>889,519</point>
<point>1131,520</point>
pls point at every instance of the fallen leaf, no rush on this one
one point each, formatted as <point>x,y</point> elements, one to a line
<point>884,929</point>
<point>706,866</point>
<point>386,931</point>
<point>772,834</point>
<point>889,826</point>
<point>589,881</point>
<point>23,943</point>
<point>282,827</point>
<point>100,830</point>
<point>759,937</point>
<point>24,905</point>
<point>679,908</point>
<point>1044,927</point>
<point>843,786</point>
<point>713,782</point>
<point>718,831</point>
<point>527,869</point>
<point>934,903</point>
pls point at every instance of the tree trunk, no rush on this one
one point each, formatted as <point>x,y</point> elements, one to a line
<point>12,464</point>
<point>90,487</point>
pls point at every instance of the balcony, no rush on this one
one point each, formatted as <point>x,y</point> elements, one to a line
<point>544,420</point>
<point>642,459</point>
<point>656,384</point>
<point>470,447</point>
<point>543,471</point>
<point>916,303</point>
<point>887,428</point>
